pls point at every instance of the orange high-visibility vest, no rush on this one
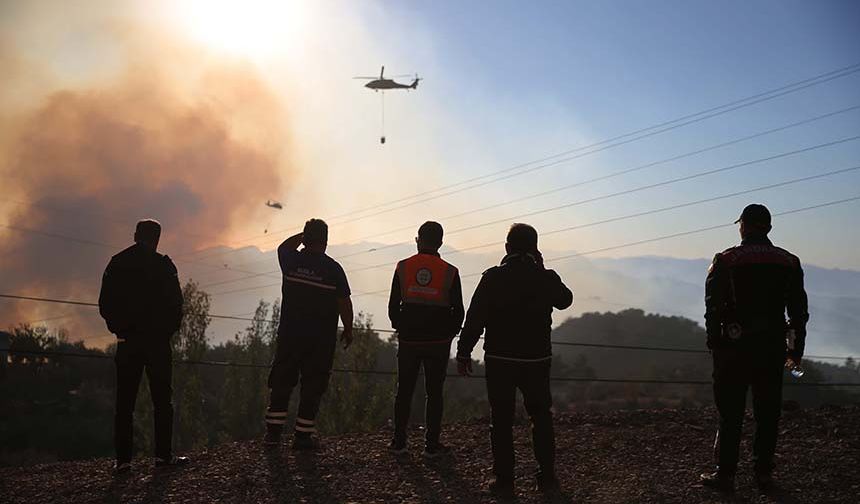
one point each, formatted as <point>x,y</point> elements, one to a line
<point>426,279</point>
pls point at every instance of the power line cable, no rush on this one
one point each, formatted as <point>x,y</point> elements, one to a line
<point>731,106</point>
<point>646,212</point>
<point>95,305</point>
<point>361,328</point>
<point>658,184</point>
<point>656,239</point>
<point>97,213</point>
<point>93,243</point>
<point>644,381</point>
<point>573,185</point>
<point>618,173</point>
<point>509,176</point>
<point>625,192</point>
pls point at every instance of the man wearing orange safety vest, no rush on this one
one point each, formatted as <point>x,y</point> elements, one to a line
<point>426,310</point>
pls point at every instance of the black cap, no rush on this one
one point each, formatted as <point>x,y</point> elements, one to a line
<point>755,214</point>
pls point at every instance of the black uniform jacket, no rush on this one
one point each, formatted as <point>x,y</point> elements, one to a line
<point>313,282</point>
<point>514,303</point>
<point>140,294</point>
<point>749,290</point>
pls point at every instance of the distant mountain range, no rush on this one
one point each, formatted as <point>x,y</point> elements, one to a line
<point>834,296</point>
<point>657,284</point>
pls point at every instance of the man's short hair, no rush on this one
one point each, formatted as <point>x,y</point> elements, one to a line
<point>431,233</point>
<point>147,230</point>
<point>522,238</point>
<point>315,233</point>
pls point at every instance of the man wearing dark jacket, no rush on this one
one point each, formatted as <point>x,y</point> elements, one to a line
<point>748,291</point>
<point>426,309</point>
<point>513,303</point>
<point>141,301</point>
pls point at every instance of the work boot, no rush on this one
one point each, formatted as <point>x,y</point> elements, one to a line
<point>306,443</point>
<point>719,481</point>
<point>173,461</point>
<point>547,482</point>
<point>436,450</point>
<point>764,480</point>
<point>502,488</point>
<point>273,435</point>
<point>397,447</point>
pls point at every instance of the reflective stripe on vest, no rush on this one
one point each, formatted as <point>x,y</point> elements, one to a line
<point>426,279</point>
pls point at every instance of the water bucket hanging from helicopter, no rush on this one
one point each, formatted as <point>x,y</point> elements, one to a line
<point>382,84</point>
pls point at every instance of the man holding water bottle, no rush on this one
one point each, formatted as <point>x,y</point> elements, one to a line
<point>749,290</point>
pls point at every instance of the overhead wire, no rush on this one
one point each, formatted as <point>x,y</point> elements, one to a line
<point>644,381</point>
<point>83,241</point>
<point>625,171</point>
<point>391,331</point>
<point>645,212</point>
<point>636,189</point>
<point>661,238</point>
<point>573,185</point>
<point>730,106</point>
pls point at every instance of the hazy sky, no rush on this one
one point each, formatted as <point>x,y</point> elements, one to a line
<point>505,83</point>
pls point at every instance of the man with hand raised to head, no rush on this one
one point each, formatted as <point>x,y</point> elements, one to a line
<point>314,293</point>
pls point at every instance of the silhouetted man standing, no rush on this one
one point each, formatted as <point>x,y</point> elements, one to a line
<point>5,341</point>
<point>426,309</point>
<point>315,291</point>
<point>514,303</point>
<point>748,291</point>
<point>141,301</point>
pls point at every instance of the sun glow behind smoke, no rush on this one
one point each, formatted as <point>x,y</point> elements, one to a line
<point>249,28</point>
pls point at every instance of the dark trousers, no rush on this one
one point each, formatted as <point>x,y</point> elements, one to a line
<point>299,357</point>
<point>410,358</point>
<point>532,378</point>
<point>736,369</point>
<point>132,358</point>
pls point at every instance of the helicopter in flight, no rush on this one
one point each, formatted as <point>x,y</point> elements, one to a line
<point>381,83</point>
<point>276,205</point>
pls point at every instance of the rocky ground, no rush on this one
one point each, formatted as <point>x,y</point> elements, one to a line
<point>625,456</point>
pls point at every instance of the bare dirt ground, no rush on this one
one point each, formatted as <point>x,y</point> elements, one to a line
<point>625,456</point>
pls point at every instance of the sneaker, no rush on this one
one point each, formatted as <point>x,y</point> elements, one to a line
<point>436,450</point>
<point>122,467</point>
<point>397,447</point>
<point>547,482</point>
<point>306,443</point>
<point>502,488</point>
<point>173,461</point>
<point>718,481</point>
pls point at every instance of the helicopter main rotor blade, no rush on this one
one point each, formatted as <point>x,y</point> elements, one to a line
<point>366,78</point>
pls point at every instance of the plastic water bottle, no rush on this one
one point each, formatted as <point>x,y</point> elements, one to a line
<point>796,371</point>
<point>790,338</point>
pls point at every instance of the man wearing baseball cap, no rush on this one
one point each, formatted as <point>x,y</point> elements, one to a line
<point>749,290</point>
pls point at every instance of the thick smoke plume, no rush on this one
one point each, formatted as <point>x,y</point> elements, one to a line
<point>192,142</point>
